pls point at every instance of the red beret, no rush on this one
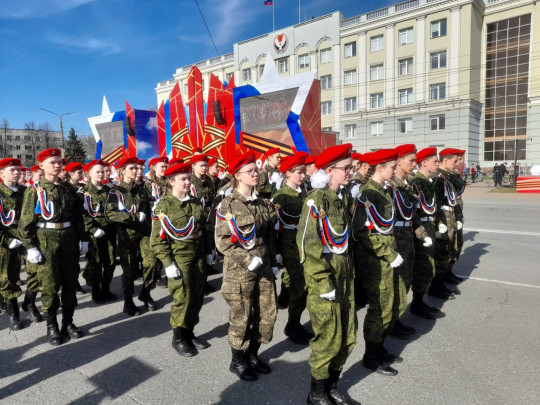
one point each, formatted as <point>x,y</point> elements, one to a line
<point>406,149</point>
<point>126,161</point>
<point>333,154</point>
<point>450,152</point>
<point>302,153</point>
<point>381,156</point>
<point>290,162</point>
<point>270,152</point>
<point>47,153</point>
<point>461,152</point>
<point>9,162</point>
<point>35,168</point>
<point>310,160</point>
<point>176,160</point>
<point>212,160</point>
<point>178,168</point>
<point>425,153</point>
<point>141,162</point>
<point>105,164</point>
<point>159,159</point>
<point>24,169</point>
<point>73,166</point>
<point>240,161</point>
<point>91,164</point>
<point>198,158</point>
<point>356,156</point>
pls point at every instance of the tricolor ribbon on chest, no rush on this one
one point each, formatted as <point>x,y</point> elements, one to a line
<point>43,208</point>
<point>336,242</point>
<point>405,210</point>
<point>449,194</point>
<point>6,218</point>
<point>245,239</point>
<point>87,205</point>
<point>167,228</point>
<point>121,203</point>
<point>427,208</point>
<point>155,192</point>
<point>286,221</point>
<point>376,220</point>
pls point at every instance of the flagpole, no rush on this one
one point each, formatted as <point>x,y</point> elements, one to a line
<point>299,6</point>
<point>273,18</point>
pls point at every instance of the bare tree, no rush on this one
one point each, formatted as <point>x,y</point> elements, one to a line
<point>44,132</point>
<point>30,128</point>
<point>89,144</point>
<point>4,127</point>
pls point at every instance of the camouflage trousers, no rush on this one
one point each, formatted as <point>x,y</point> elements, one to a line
<point>187,293</point>
<point>294,274</point>
<point>130,257</point>
<point>59,269</point>
<point>100,260</point>
<point>151,264</point>
<point>458,246</point>
<point>334,322</point>
<point>360,298</point>
<point>285,279</point>
<point>405,247</point>
<point>444,244</point>
<point>386,295</point>
<point>424,264</point>
<point>32,278</point>
<point>251,297</point>
<point>10,267</point>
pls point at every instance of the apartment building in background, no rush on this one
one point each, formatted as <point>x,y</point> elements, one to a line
<point>25,144</point>
<point>455,73</point>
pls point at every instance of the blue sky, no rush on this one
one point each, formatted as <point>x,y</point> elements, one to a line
<point>64,55</point>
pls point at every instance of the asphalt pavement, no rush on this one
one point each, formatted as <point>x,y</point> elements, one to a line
<point>485,350</point>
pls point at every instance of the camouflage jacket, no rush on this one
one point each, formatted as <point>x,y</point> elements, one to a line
<point>156,188</point>
<point>244,230</point>
<point>10,211</point>
<point>405,204</point>
<point>215,180</point>
<point>324,229</point>
<point>265,189</point>
<point>445,193</point>
<point>427,204</point>
<point>178,228</point>
<point>93,203</point>
<point>203,189</point>
<point>459,186</point>
<point>286,207</point>
<point>133,199</point>
<point>56,203</point>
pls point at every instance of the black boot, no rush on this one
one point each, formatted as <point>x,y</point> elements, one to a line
<point>254,361</point>
<point>239,366</point>
<point>373,361</point>
<point>296,332</point>
<point>420,308</point>
<point>398,332</point>
<point>334,394</point>
<point>53,333</point>
<point>284,296</point>
<point>317,395</point>
<point>106,293</point>
<point>387,357</point>
<point>130,308</point>
<point>180,343</point>
<point>208,289</point>
<point>438,290</point>
<point>97,294</point>
<point>79,289</point>
<point>196,342</point>
<point>2,304</point>
<point>453,276</point>
<point>146,299</point>
<point>68,327</point>
<point>29,306</point>
<point>451,291</point>
<point>12,309</point>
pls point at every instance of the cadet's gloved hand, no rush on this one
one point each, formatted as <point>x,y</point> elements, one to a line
<point>331,296</point>
<point>142,216</point>
<point>279,259</point>
<point>34,255</point>
<point>397,262</point>
<point>459,225</point>
<point>99,233</point>
<point>427,242</point>
<point>15,243</point>
<point>443,228</point>
<point>209,259</point>
<point>275,270</point>
<point>274,177</point>
<point>255,263</point>
<point>84,248</point>
<point>173,272</point>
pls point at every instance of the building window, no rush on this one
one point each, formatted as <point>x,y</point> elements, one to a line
<point>28,147</point>
<point>377,43</point>
<point>261,70</point>
<point>8,137</point>
<point>326,129</point>
<point>246,75</point>
<point>406,36</point>
<point>326,107</point>
<point>377,100</point>
<point>27,138</point>
<point>17,138</point>
<point>405,125</point>
<point>19,157</point>
<point>349,130</point>
<point>38,147</point>
<point>37,138</point>
<point>437,91</point>
<point>29,157</point>
<point>303,61</point>
<point>350,49</point>
<point>405,96</point>
<point>405,66</point>
<point>437,122</point>
<point>228,76</point>
<point>283,65</point>
<point>326,82</point>
<point>376,72</point>
<point>350,77</point>
<point>18,147</point>
<point>326,55</point>
<point>350,104</point>
<point>438,60</point>
<point>376,128</point>
<point>438,28</point>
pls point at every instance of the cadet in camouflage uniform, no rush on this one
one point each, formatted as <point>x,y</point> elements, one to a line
<point>101,256</point>
<point>287,204</point>
<point>11,199</point>
<point>51,226</point>
<point>373,224</point>
<point>424,265</point>
<point>322,239</point>
<point>213,170</point>
<point>310,169</point>
<point>445,196</point>
<point>127,207</point>
<point>178,233</point>
<point>244,236</point>
<point>269,173</point>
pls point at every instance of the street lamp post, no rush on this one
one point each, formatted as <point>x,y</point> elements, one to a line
<point>61,127</point>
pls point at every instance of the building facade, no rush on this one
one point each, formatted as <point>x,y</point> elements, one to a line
<point>25,144</point>
<point>454,73</point>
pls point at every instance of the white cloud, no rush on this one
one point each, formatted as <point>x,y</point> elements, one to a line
<point>143,146</point>
<point>86,44</point>
<point>228,17</point>
<point>12,9</point>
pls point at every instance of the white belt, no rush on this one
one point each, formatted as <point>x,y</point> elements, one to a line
<point>446,208</point>
<point>325,249</point>
<point>402,223</point>
<point>288,226</point>
<point>427,219</point>
<point>53,225</point>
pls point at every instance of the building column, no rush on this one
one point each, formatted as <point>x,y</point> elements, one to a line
<point>337,102</point>
<point>363,96</point>
<point>389,68</point>
<point>453,87</point>
<point>292,64</point>
<point>420,64</point>
<point>313,60</point>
